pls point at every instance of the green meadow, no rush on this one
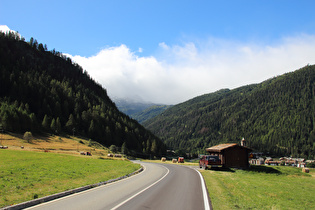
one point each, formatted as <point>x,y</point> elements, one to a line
<point>261,187</point>
<point>26,175</point>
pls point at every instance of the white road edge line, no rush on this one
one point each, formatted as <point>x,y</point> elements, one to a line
<point>204,192</point>
<point>122,203</point>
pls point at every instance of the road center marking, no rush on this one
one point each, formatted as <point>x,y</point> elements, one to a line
<point>122,203</point>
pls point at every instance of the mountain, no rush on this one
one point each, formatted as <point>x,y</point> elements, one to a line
<point>149,113</point>
<point>138,109</point>
<point>276,116</point>
<point>131,106</point>
<point>44,91</point>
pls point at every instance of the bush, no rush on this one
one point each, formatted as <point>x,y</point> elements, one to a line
<point>28,136</point>
<point>35,196</point>
<point>113,148</point>
<point>310,165</point>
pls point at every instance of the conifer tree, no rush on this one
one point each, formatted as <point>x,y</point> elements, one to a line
<point>124,148</point>
<point>70,123</point>
<point>58,125</point>
<point>45,123</point>
<point>53,125</point>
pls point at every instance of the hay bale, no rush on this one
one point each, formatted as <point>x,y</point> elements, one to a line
<point>163,159</point>
<point>174,161</point>
<point>110,155</point>
<point>305,170</point>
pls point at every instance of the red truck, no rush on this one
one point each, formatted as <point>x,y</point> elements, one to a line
<point>209,161</point>
<point>180,160</point>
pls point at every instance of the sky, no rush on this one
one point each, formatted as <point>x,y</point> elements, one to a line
<point>170,51</point>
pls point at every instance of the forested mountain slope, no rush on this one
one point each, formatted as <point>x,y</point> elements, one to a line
<point>139,110</point>
<point>275,117</point>
<point>149,113</point>
<point>131,106</point>
<point>43,90</point>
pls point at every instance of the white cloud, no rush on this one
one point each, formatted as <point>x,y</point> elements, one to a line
<point>163,46</point>
<point>179,73</point>
<point>5,29</point>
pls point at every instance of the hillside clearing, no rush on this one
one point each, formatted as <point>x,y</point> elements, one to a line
<point>52,143</point>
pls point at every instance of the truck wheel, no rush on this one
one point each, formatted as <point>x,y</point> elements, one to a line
<point>200,166</point>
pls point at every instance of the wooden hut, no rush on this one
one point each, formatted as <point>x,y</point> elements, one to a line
<point>231,155</point>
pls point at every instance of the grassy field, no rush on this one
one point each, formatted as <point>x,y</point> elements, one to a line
<point>261,187</point>
<point>31,173</point>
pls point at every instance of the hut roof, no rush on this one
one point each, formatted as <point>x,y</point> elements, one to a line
<point>221,147</point>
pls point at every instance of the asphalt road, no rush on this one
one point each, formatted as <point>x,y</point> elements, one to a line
<point>159,186</point>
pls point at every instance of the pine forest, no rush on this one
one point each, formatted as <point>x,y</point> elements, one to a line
<point>45,92</point>
<point>276,117</point>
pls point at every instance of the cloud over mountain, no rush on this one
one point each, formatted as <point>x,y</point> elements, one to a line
<point>177,73</point>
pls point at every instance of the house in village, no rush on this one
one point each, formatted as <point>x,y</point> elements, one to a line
<point>296,162</point>
<point>232,155</point>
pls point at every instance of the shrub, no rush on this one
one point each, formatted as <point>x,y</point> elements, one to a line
<point>35,196</point>
<point>113,148</point>
<point>310,165</point>
<point>28,136</point>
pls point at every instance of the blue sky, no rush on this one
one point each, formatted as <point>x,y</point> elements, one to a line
<point>171,51</point>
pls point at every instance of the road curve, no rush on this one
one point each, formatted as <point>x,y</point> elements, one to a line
<point>181,189</point>
<point>159,186</point>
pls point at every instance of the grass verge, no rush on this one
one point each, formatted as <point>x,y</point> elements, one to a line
<point>261,187</point>
<point>26,175</point>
